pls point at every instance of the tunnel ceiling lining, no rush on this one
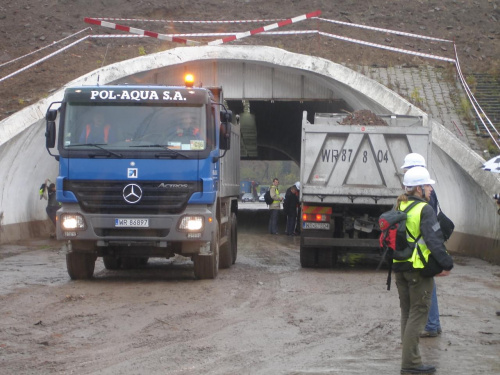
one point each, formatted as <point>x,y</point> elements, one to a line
<point>252,80</point>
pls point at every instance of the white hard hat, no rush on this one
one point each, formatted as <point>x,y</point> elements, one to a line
<point>297,185</point>
<point>417,176</point>
<point>413,160</point>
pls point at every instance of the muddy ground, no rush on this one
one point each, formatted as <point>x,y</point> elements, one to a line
<point>264,315</point>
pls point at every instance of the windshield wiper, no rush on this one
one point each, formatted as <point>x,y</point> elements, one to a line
<point>167,153</point>
<point>99,146</point>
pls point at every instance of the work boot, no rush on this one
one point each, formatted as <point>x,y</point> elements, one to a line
<point>423,369</point>
<point>429,334</point>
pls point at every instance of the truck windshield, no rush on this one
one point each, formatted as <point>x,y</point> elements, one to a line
<point>122,127</point>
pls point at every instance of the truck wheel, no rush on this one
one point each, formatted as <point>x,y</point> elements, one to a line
<point>225,251</point>
<point>131,263</point>
<point>234,236</point>
<point>111,262</point>
<point>80,265</point>
<point>207,266</point>
<point>327,258</point>
<point>308,257</point>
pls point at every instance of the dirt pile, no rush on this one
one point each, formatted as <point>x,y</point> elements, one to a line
<point>363,117</point>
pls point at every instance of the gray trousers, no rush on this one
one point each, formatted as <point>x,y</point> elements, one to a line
<point>415,300</point>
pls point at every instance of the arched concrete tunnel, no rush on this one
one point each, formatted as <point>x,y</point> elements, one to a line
<point>278,86</point>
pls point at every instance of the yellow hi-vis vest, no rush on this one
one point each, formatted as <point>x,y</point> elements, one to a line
<point>413,226</point>
<point>277,194</point>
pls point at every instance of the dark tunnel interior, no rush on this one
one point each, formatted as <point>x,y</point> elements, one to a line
<point>273,131</point>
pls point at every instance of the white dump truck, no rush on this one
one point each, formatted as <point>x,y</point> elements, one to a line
<point>350,173</point>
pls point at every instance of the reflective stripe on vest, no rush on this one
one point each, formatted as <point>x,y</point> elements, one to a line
<point>413,226</point>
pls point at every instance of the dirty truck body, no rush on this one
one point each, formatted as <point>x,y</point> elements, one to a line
<point>148,189</point>
<point>350,175</point>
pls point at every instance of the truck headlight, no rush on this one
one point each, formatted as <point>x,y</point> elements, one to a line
<point>72,221</point>
<point>192,224</point>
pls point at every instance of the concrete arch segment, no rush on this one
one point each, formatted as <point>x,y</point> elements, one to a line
<point>281,72</point>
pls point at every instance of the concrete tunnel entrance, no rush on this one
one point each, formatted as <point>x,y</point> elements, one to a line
<point>279,86</point>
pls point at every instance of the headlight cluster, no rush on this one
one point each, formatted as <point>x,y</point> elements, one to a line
<point>192,224</point>
<point>72,222</point>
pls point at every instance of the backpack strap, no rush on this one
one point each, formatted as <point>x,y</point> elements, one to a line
<point>406,210</point>
<point>389,273</point>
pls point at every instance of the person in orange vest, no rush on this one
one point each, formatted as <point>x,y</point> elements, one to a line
<point>97,131</point>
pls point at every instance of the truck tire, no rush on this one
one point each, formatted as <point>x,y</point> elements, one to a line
<point>80,265</point>
<point>131,263</point>
<point>234,236</point>
<point>111,262</point>
<point>207,266</point>
<point>308,257</point>
<point>225,251</point>
<point>327,258</point>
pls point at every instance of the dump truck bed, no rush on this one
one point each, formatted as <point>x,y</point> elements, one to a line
<point>345,162</point>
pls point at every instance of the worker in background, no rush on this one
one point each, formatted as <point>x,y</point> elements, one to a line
<point>274,208</point>
<point>52,203</point>
<point>290,206</point>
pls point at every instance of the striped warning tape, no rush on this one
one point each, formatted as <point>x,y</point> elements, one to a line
<point>265,28</point>
<point>133,30</point>
<point>189,21</point>
<point>385,30</point>
<point>396,32</point>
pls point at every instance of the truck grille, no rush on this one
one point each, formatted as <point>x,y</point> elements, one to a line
<point>158,197</point>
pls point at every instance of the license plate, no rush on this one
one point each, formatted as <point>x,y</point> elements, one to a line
<point>132,223</point>
<point>308,225</point>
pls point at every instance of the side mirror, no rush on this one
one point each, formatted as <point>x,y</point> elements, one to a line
<point>50,134</point>
<point>226,116</point>
<point>50,128</point>
<point>51,115</point>
<point>225,136</point>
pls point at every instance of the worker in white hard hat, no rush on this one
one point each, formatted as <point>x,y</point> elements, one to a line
<point>433,326</point>
<point>413,275</point>
<point>413,160</point>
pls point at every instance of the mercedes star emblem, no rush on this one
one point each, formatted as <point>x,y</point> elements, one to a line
<point>132,193</point>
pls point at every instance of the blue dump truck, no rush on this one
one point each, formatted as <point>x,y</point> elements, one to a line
<point>145,171</point>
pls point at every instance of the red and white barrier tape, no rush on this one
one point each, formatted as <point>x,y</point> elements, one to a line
<point>116,36</point>
<point>265,28</point>
<point>133,30</point>
<point>47,46</point>
<point>189,21</point>
<point>385,30</point>
<point>401,33</point>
